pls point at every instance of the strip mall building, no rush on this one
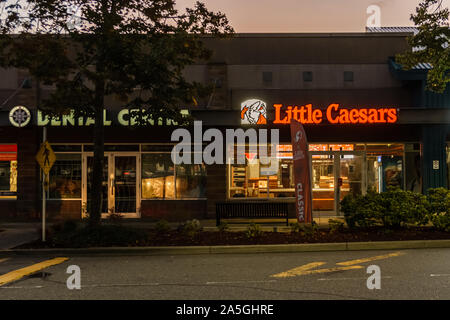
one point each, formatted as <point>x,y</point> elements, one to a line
<point>369,125</point>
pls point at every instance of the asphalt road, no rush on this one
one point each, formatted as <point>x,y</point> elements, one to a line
<point>405,274</point>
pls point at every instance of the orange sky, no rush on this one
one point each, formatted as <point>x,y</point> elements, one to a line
<point>308,15</point>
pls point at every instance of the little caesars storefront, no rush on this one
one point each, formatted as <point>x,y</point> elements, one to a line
<point>351,150</point>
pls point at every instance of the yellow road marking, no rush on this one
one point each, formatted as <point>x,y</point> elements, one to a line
<point>298,270</point>
<point>20,273</point>
<point>346,265</point>
<point>328,270</point>
<point>4,259</point>
<point>358,261</point>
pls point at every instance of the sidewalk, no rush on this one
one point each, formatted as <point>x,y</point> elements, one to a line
<point>15,234</point>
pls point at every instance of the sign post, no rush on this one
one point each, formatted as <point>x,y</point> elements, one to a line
<point>303,199</point>
<point>46,158</point>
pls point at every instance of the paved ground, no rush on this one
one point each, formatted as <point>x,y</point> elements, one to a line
<point>15,234</point>
<point>405,274</point>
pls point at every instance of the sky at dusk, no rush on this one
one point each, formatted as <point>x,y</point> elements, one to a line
<point>308,15</point>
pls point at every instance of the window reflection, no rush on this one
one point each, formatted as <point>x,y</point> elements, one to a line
<point>161,179</point>
<point>157,176</point>
<point>257,180</point>
<point>8,170</point>
<point>65,177</point>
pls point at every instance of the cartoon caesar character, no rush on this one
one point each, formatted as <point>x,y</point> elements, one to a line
<point>253,111</point>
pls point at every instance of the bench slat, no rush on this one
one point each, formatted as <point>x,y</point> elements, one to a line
<point>249,209</point>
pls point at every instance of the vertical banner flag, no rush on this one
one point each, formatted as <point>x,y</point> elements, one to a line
<point>303,200</point>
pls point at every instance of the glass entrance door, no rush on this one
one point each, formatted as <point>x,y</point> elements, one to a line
<point>322,179</point>
<point>335,174</point>
<point>125,184</point>
<point>350,175</point>
<point>120,187</point>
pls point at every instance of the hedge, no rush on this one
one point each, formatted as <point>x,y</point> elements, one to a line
<point>396,208</point>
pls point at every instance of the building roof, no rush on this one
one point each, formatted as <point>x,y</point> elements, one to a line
<point>392,29</point>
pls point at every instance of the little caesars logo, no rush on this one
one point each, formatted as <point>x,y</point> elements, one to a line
<point>253,111</point>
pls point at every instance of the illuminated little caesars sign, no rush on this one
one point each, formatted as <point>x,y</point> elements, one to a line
<point>334,114</point>
<point>253,111</point>
<point>123,117</point>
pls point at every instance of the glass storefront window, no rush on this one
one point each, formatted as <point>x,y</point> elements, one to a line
<point>413,171</point>
<point>65,177</point>
<point>161,179</point>
<point>257,180</point>
<point>8,171</point>
<point>322,182</point>
<point>191,181</point>
<point>158,179</point>
<point>384,166</point>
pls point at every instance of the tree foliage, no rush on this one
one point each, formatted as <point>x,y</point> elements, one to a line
<point>133,51</point>
<point>430,44</point>
<point>138,49</point>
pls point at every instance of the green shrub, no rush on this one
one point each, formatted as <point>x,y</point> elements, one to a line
<point>190,227</point>
<point>162,226</point>
<point>348,206</point>
<point>295,227</point>
<point>335,225</point>
<point>441,221</point>
<point>361,211</point>
<point>437,200</point>
<point>253,231</point>
<point>223,226</point>
<point>439,208</point>
<point>99,236</point>
<point>400,207</point>
<point>393,209</point>
<point>309,229</point>
<point>419,211</point>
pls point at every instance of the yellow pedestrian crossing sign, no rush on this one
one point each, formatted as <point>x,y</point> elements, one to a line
<point>46,157</point>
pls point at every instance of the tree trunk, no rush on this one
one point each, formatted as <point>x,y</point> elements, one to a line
<point>95,211</point>
<point>99,149</point>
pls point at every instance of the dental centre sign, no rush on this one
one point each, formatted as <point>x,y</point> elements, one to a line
<point>333,114</point>
<point>123,117</point>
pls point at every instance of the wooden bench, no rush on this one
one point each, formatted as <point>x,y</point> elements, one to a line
<point>251,210</point>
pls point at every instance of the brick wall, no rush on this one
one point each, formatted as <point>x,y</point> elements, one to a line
<point>173,210</point>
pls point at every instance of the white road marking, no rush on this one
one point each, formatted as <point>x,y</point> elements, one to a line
<point>242,281</point>
<point>345,279</point>
<point>120,285</point>
<point>29,287</point>
<point>147,284</point>
<point>440,275</point>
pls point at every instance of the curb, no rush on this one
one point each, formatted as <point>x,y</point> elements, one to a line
<point>275,248</point>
